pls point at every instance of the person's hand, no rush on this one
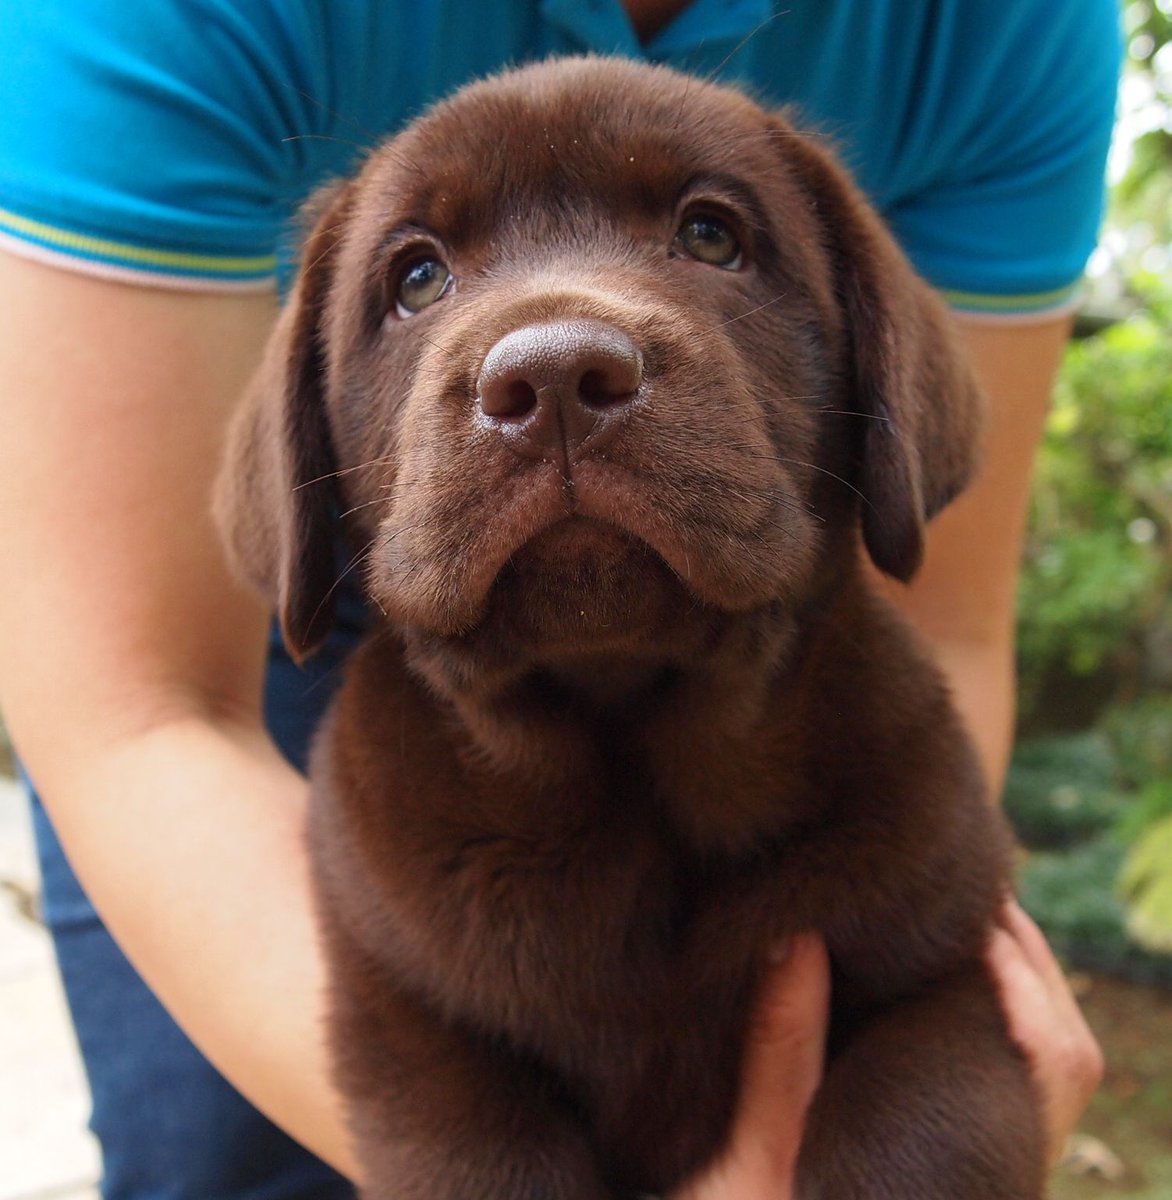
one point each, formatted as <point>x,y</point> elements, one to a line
<point>1065,1060</point>
<point>783,1068</point>
<point>784,1060</point>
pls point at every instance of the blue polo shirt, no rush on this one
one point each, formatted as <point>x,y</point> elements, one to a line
<point>169,141</point>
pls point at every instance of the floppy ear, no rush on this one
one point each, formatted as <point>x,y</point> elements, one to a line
<point>908,370</point>
<point>276,494</point>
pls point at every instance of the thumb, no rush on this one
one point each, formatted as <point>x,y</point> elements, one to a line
<point>782,1070</point>
<point>786,1047</point>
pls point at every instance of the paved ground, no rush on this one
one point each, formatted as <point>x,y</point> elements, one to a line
<point>45,1151</point>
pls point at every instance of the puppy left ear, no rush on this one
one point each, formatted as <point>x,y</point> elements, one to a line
<point>276,495</point>
<point>910,375</point>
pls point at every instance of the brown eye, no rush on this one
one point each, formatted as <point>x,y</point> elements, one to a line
<point>423,283</point>
<point>711,241</point>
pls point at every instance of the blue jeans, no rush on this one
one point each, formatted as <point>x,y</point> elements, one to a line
<point>170,1126</point>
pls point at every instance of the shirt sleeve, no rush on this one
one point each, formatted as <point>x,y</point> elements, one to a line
<point>1011,214</point>
<point>151,141</point>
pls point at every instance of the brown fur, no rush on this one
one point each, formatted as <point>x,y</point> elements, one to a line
<point>629,713</point>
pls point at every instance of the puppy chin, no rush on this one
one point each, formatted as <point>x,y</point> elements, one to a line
<point>585,586</point>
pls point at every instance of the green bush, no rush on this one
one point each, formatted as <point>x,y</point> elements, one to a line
<point>1145,882</point>
<point>1095,601</point>
<point>1073,897</point>
<point>1095,810</point>
<point>1095,652</point>
<point>1061,789</point>
<point>1140,736</point>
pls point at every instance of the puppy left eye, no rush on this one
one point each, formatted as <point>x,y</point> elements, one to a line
<point>423,283</point>
<point>711,241</point>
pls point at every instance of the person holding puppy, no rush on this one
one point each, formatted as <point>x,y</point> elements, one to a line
<point>149,163</point>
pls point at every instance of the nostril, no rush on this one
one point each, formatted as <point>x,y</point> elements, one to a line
<point>507,399</point>
<point>520,399</point>
<point>600,388</point>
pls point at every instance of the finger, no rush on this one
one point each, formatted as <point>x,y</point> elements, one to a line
<point>1024,994</point>
<point>786,1046</point>
<point>1035,950</point>
<point>1044,1017</point>
<point>1044,1020</point>
<point>782,1069</point>
<point>787,1036</point>
<point>1033,944</point>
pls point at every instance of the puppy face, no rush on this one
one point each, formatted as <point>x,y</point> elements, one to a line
<point>593,359</point>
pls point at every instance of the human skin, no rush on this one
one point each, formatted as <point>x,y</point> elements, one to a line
<point>131,663</point>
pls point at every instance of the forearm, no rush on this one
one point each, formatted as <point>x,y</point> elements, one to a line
<point>204,822</point>
<point>978,661</point>
<point>983,680</point>
<point>131,667</point>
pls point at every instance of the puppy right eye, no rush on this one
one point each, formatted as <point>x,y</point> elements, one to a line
<point>709,240</point>
<point>422,283</point>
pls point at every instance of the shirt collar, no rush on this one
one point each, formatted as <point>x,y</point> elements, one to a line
<point>604,27</point>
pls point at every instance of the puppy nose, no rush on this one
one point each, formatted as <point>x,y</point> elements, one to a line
<point>549,388</point>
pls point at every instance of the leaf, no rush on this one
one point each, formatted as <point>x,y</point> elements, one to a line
<point>1146,883</point>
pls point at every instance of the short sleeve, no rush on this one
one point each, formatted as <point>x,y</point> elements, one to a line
<point>1011,213</point>
<point>149,141</point>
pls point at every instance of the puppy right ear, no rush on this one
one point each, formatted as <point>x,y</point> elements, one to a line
<point>276,495</point>
<point>909,374</point>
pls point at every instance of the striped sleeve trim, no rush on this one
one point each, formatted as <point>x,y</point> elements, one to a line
<point>1036,306</point>
<point>140,264</point>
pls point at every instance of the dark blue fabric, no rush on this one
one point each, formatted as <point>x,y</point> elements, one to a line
<point>170,1126</point>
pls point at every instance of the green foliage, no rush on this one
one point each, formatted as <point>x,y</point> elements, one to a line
<point>1073,896</point>
<point>1141,737</point>
<point>1095,621</point>
<point>1140,734</point>
<point>1096,591</point>
<point>1060,790</point>
<point>1146,189</point>
<point>1073,893</point>
<point>1095,809</point>
<point>1151,804</point>
<point>1145,881</point>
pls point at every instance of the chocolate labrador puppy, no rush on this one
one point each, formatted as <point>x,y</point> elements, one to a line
<point>608,379</point>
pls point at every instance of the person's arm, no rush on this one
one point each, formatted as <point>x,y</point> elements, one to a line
<point>131,668</point>
<point>963,598</point>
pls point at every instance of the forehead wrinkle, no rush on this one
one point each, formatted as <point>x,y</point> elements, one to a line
<point>465,215</point>
<point>459,204</point>
<point>644,186</point>
<point>498,164</point>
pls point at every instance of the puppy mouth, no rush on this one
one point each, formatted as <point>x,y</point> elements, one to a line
<point>583,567</point>
<point>606,552</point>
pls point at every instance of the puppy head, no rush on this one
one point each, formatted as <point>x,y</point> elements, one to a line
<point>594,358</point>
